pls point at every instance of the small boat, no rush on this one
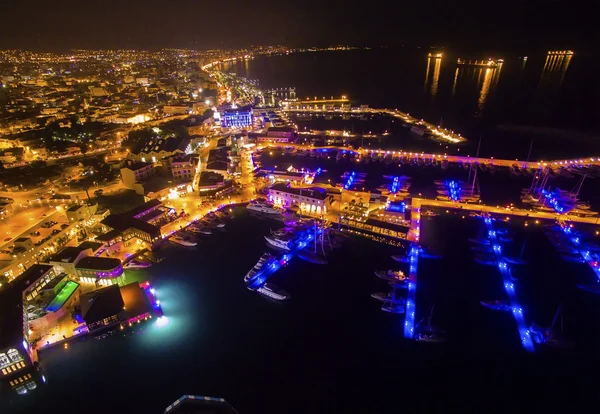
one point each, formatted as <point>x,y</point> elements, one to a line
<point>550,336</point>
<point>396,306</point>
<point>401,259</point>
<point>204,230</point>
<point>595,288</point>
<point>182,241</point>
<point>499,305</point>
<point>515,260</point>
<point>430,333</point>
<point>390,275</point>
<point>425,255</point>
<point>479,241</point>
<point>485,260</point>
<point>572,258</point>
<point>399,284</point>
<point>384,297</point>
<point>270,291</point>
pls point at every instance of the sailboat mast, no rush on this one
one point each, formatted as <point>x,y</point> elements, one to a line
<point>323,237</point>
<point>530,148</point>
<point>315,236</point>
<point>475,174</point>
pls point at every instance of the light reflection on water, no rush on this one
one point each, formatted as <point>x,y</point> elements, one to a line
<point>176,302</point>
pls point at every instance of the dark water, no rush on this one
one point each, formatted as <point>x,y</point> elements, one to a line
<point>330,349</point>
<point>560,94</point>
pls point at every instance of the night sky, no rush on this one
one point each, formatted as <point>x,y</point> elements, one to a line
<point>60,25</point>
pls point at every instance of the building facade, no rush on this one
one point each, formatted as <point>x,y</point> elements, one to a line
<point>314,201</point>
<point>236,119</point>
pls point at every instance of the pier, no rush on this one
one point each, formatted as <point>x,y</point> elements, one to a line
<point>437,131</point>
<point>509,286</point>
<point>411,298</point>
<point>261,277</point>
<point>430,157</point>
<point>576,243</point>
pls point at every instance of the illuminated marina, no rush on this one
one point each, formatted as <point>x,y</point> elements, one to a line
<point>250,179</point>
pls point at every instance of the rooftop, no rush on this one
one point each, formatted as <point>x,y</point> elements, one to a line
<point>66,255</point>
<point>280,129</point>
<point>122,222</point>
<point>90,245</point>
<point>162,144</point>
<point>98,263</point>
<point>137,165</point>
<point>137,211</point>
<point>135,301</point>
<point>314,192</point>
<point>102,303</point>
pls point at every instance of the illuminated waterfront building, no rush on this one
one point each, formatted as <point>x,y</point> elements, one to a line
<point>104,271</point>
<point>236,118</point>
<point>16,355</point>
<point>310,200</point>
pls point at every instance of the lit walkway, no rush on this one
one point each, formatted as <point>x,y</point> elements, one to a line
<point>581,249</point>
<point>576,162</point>
<point>413,253</point>
<point>411,299</point>
<point>261,277</point>
<point>509,286</point>
<point>424,202</point>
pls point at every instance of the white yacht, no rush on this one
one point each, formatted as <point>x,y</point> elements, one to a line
<point>283,242</point>
<point>396,306</point>
<point>264,259</point>
<point>390,275</point>
<point>263,207</point>
<point>134,264</point>
<point>184,242</point>
<point>271,291</point>
<point>384,297</point>
<point>420,129</point>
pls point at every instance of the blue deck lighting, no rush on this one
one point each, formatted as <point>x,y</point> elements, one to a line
<point>411,300</point>
<point>517,312</point>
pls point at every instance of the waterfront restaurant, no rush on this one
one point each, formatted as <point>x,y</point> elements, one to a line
<point>104,271</point>
<point>101,308</point>
<point>310,200</point>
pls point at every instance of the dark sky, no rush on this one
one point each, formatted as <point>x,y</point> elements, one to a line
<point>63,24</point>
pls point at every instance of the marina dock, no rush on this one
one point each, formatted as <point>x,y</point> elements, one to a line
<point>411,299</point>
<point>516,309</point>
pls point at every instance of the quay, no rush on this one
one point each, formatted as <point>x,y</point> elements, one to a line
<point>324,108</point>
<point>460,159</point>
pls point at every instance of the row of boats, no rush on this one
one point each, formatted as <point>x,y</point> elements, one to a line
<point>203,227</point>
<point>394,301</point>
<point>540,335</point>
